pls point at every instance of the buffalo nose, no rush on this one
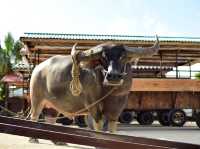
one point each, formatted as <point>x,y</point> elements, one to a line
<point>114,77</point>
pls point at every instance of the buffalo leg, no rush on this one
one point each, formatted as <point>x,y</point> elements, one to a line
<point>98,126</point>
<point>97,119</point>
<point>36,109</point>
<point>112,126</point>
<point>93,123</point>
<point>50,117</point>
<point>113,106</point>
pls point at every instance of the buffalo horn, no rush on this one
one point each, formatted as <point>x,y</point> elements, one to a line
<point>90,54</point>
<point>142,52</point>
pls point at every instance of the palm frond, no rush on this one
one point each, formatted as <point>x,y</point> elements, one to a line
<point>9,44</point>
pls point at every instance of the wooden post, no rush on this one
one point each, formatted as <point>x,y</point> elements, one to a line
<point>176,64</point>
<point>23,83</point>
<point>6,86</point>
<point>34,59</point>
<point>161,59</point>
<point>190,69</point>
<point>38,56</point>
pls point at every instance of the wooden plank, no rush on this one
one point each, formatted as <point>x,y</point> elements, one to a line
<point>165,85</point>
<point>163,100</point>
<point>85,137</point>
<point>187,100</point>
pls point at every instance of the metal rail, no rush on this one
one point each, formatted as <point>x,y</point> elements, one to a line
<point>84,137</point>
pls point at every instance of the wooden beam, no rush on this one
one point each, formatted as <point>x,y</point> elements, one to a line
<point>170,64</point>
<point>181,56</point>
<point>180,49</point>
<point>164,61</point>
<point>52,47</point>
<point>195,61</point>
<point>168,58</point>
<point>61,47</point>
<point>154,59</point>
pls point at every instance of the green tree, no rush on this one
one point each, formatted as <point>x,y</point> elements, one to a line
<point>2,91</point>
<point>11,53</point>
<point>197,75</point>
<point>16,51</point>
<point>4,68</point>
<point>9,44</point>
<point>5,65</point>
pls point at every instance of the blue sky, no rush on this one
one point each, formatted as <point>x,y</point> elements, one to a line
<point>131,17</point>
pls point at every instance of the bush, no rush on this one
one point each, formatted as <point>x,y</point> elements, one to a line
<point>197,75</point>
<point>2,92</point>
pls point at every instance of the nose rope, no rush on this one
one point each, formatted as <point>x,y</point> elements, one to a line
<point>75,84</point>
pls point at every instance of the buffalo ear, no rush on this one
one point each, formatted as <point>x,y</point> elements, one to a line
<point>128,59</point>
<point>131,61</point>
<point>128,67</point>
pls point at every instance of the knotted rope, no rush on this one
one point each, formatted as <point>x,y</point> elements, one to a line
<point>75,84</point>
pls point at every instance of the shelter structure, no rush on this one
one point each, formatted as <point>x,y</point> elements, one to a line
<point>174,51</point>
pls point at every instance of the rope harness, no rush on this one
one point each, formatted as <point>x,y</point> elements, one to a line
<point>94,103</point>
<point>75,84</point>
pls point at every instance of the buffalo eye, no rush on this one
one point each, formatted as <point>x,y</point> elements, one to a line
<point>103,55</point>
<point>123,57</point>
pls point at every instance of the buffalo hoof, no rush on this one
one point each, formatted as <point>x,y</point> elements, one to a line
<point>33,140</point>
<point>59,143</point>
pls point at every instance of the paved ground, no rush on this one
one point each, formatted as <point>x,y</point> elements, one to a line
<point>190,133</point>
<point>17,142</point>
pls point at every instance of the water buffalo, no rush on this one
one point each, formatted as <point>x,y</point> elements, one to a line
<point>101,68</point>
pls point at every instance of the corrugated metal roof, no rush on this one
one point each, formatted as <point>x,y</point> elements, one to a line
<point>107,37</point>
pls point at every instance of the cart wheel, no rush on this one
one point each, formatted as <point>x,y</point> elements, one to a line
<point>163,118</point>
<point>126,117</point>
<point>197,118</point>
<point>145,118</point>
<point>80,121</point>
<point>177,117</point>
